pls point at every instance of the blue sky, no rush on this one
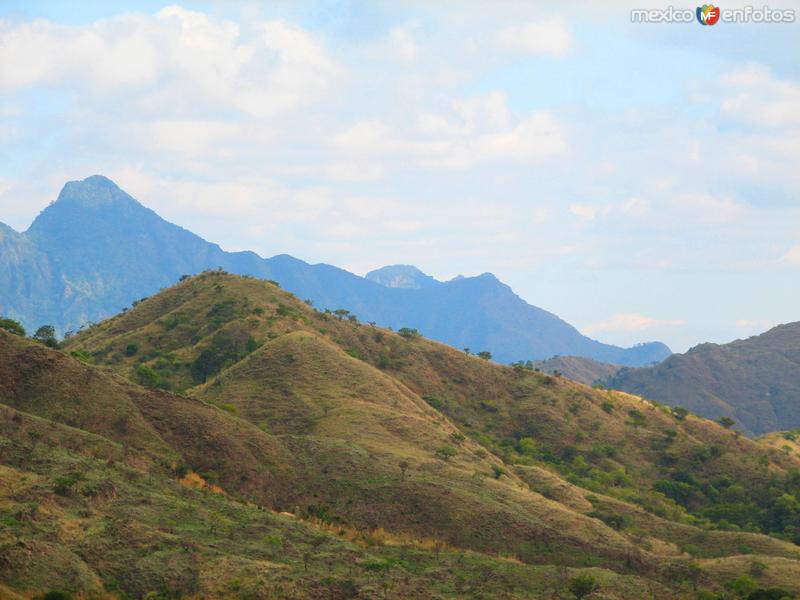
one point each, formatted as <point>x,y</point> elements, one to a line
<point>638,180</point>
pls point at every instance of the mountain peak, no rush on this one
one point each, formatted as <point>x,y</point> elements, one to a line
<point>401,276</point>
<point>94,191</point>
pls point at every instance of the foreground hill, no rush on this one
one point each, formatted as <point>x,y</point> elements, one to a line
<point>101,495</point>
<point>86,513</point>
<point>755,381</point>
<point>366,428</point>
<point>96,249</point>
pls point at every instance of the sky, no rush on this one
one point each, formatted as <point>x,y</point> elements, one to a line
<point>639,180</point>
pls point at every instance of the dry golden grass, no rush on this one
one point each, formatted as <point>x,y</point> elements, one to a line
<point>195,480</point>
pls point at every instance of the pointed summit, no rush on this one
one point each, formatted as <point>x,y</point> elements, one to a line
<point>93,192</point>
<point>401,276</point>
<point>95,206</point>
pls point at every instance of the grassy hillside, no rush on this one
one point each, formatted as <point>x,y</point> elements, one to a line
<point>519,478</point>
<point>90,508</point>
<point>77,516</point>
<point>755,381</point>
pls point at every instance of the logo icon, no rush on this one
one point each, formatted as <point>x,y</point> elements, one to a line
<point>708,14</point>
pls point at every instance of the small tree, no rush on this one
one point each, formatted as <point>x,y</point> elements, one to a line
<point>485,355</point>
<point>403,468</point>
<point>679,412</point>
<point>727,422</point>
<point>147,377</point>
<point>384,359</point>
<point>408,332</point>
<point>46,334</point>
<point>582,585</point>
<point>131,349</point>
<point>206,364</point>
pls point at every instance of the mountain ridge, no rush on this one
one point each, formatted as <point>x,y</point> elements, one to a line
<point>755,381</point>
<point>96,249</point>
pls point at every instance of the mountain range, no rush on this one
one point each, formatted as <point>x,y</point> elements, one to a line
<point>95,250</point>
<point>224,439</point>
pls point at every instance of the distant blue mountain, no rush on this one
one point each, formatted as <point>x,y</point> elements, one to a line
<point>401,276</point>
<point>95,250</point>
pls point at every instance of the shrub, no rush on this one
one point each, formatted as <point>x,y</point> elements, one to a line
<point>64,485</point>
<point>80,355</point>
<point>56,595</point>
<point>582,585</point>
<point>434,402</point>
<point>607,406</point>
<point>637,418</point>
<point>770,594</point>
<point>679,412</point>
<point>206,364</point>
<point>678,491</point>
<point>485,355</point>
<point>743,586</point>
<point>147,377</point>
<point>12,326</point>
<point>131,349</point>
<point>527,446</point>
<point>408,332</point>
<point>446,452</point>
<point>613,520</point>
<point>384,360</point>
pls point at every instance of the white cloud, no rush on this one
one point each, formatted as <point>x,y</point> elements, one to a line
<point>587,212</point>
<point>709,209</point>
<point>176,60</point>
<point>758,99</point>
<point>636,207</point>
<point>755,324</point>
<point>548,37</point>
<point>403,45</point>
<point>792,256</point>
<point>630,322</point>
<point>476,131</point>
<point>429,133</point>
